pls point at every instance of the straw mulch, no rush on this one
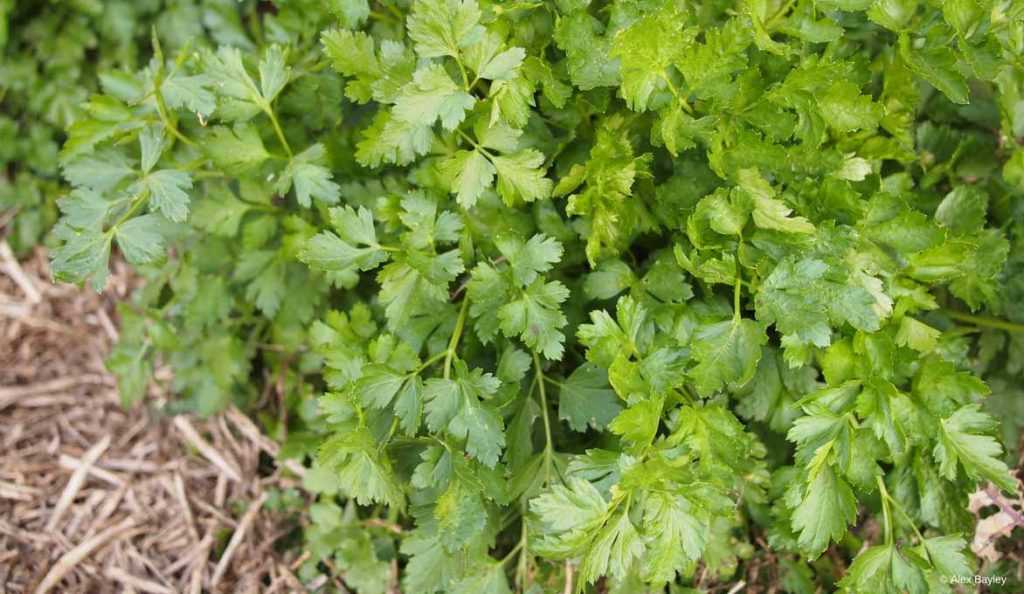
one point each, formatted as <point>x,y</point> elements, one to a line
<point>96,498</point>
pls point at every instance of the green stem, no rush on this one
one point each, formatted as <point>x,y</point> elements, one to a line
<point>985,321</point>
<point>462,70</point>
<point>475,144</point>
<point>523,569</point>
<point>737,289</point>
<point>549,449</point>
<point>161,109</point>
<point>430,362</point>
<point>886,512</point>
<point>887,498</point>
<point>208,174</point>
<point>137,203</point>
<point>460,323</point>
<point>675,93</point>
<point>277,130</point>
<point>511,553</point>
<point>391,433</point>
<point>394,11</point>
<point>383,17</point>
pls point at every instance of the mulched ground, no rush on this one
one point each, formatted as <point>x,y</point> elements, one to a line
<point>96,498</point>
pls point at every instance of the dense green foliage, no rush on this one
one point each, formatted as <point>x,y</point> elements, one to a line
<point>625,294</point>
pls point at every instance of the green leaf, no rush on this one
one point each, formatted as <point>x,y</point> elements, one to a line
<point>937,65</point>
<point>521,177</point>
<point>611,278</point>
<point>459,407</point>
<point>444,27</point>
<point>353,54</point>
<point>355,244</point>
<point>769,212</point>
<point>531,258</point>
<point>433,95</point>
<point>801,299</point>
<point>638,424</point>
<point>151,140</point>
<point>826,506</point>
<point>589,61</point>
<point>237,150</point>
<point>946,555</point>
<point>894,15</point>
<point>963,438</point>
<point>586,400</point>
<point>646,50</point>
<point>362,472</point>
<point>130,363</point>
<point>141,239</point>
<point>168,192</point>
<point>963,15</point>
<point>884,569</point>
<point>536,317</point>
<point>241,99</point>
<point>416,282</point>
<point>569,516</point>
<point>84,209</point>
<point>678,536</point>
<point>614,551</point>
<point>917,335</point>
<point>490,578</point>
<point>391,140</point>
<point>490,62</point>
<point>351,12</point>
<point>607,339</point>
<point>182,91</point>
<point>377,386</point>
<point>727,354</point>
<point>846,110</point>
<point>84,254</point>
<point>274,73</point>
<point>963,210</point>
<point>310,178</point>
<point>471,173</point>
<point>102,171</point>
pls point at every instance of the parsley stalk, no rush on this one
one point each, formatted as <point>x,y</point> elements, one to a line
<point>161,109</point>
<point>737,288</point>
<point>460,323</point>
<point>512,553</point>
<point>985,321</point>
<point>886,511</point>
<point>888,504</point>
<point>548,448</point>
<point>138,201</point>
<point>267,109</point>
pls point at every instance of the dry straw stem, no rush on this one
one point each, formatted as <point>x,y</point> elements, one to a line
<point>192,437</point>
<point>142,585</point>
<point>236,539</point>
<point>76,482</point>
<point>67,562</point>
<point>11,394</point>
<point>13,269</point>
